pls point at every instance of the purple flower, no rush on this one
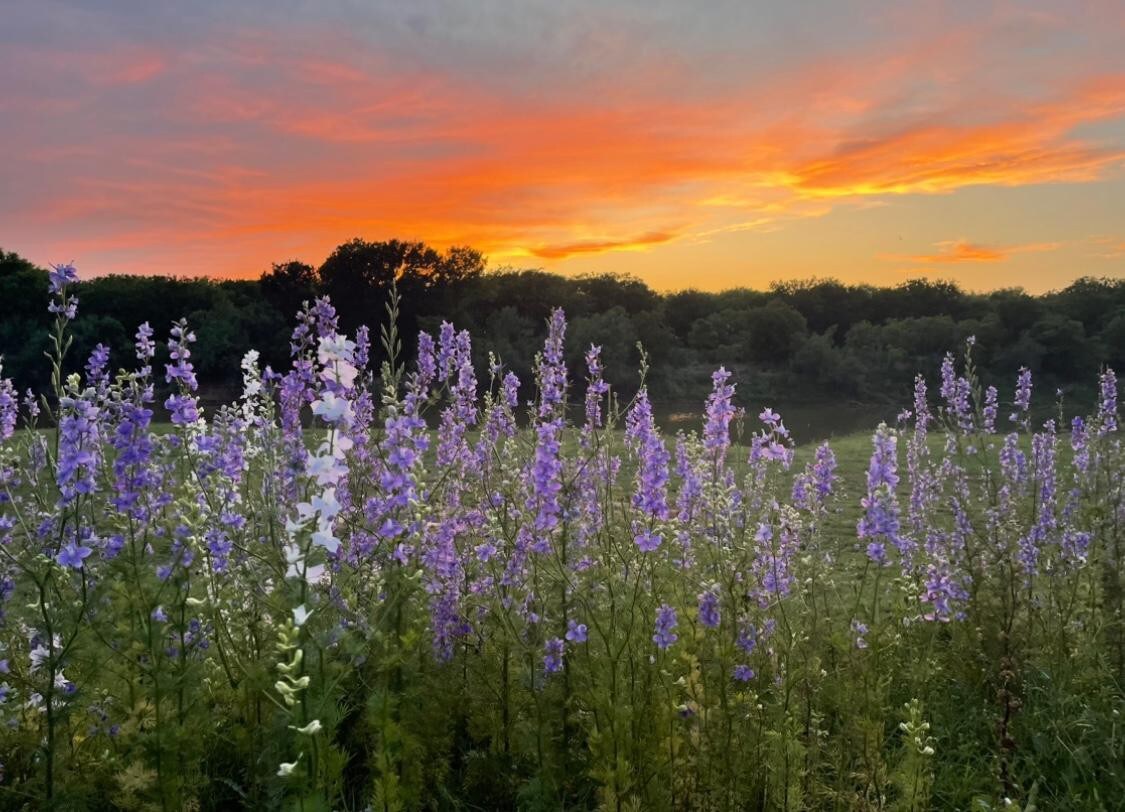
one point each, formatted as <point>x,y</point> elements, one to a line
<point>743,673</point>
<point>1107,402</point>
<point>812,488</point>
<point>596,387</point>
<point>96,373</point>
<point>73,556</point>
<point>79,447</point>
<point>880,520</point>
<point>1023,396</point>
<point>553,655</point>
<point>719,412</point>
<point>648,541</point>
<point>709,609</point>
<point>991,408</point>
<point>859,629</point>
<point>651,494</point>
<point>575,632</point>
<point>59,276</point>
<point>9,408</point>
<point>144,345</point>
<point>665,623</point>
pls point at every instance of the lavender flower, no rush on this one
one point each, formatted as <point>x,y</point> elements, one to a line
<point>665,623</point>
<point>1107,402</point>
<point>651,495</point>
<point>1023,397</point>
<point>73,555</point>
<point>718,414</point>
<point>880,521</point>
<point>709,609</point>
<point>575,632</point>
<point>553,655</point>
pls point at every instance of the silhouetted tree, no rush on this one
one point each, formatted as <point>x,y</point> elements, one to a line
<point>288,285</point>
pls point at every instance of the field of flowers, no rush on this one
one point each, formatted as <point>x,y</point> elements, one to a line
<point>401,588</point>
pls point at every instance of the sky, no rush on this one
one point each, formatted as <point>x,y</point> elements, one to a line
<point>707,145</point>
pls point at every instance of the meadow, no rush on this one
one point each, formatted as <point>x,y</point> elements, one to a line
<point>402,588</point>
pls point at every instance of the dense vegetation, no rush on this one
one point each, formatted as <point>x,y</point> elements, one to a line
<point>239,612</point>
<point>798,341</point>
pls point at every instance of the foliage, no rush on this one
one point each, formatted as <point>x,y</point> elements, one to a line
<point>800,342</point>
<point>246,610</point>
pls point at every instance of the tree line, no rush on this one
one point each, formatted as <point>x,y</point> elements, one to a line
<point>813,340</point>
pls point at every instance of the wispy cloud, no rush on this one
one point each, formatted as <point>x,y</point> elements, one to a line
<point>959,251</point>
<point>275,136</point>
<point>562,250</point>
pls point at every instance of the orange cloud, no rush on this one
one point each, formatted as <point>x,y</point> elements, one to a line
<point>563,250</point>
<point>958,251</point>
<point>259,150</point>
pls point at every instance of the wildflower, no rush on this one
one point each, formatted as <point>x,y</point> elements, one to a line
<point>1107,402</point>
<point>709,609</point>
<point>651,494</point>
<point>59,276</point>
<point>880,521</point>
<point>743,673</point>
<point>719,412</point>
<point>311,729</point>
<point>553,655</point>
<point>575,632</point>
<point>73,556</point>
<point>859,629</point>
<point>38,655</point>
<point>1023,396</point>
<point>665,623</point>
<point>301,615</point>
<point>79,446</point>
<point>287,767</point>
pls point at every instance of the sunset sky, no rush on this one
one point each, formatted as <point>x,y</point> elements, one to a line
<point>705,145</point>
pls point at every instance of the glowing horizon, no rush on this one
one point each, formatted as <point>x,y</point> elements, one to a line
<point>747,144</point>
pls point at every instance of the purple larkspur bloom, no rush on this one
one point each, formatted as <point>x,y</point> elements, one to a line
<point>665,635</point>
<point>1023,396</point>
<point>814,485</point>
<point>880,521</point>
<point>596,387</point>
<point>991,409</point>
<point>97,374</point>
<point>1107,402</point>
<point>743,673</point>
<point>650,496</point>
<point>709,609</point>
<point>79,447</point>
<point>553,655</point>
<point>59,276</point>
<point>182,405</point>
<point>859,630</point>
<point>575,631</point>
<point>73,555</point>
<point>9,408</point>
<point>718,414</point>
<point>1043,452</point>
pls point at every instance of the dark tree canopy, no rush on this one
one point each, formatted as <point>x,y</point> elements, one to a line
<point>814,340</point>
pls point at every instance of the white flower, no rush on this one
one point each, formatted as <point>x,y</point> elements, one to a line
<point>335,348</point>
<point>300,615</point>
<point>287,767</point>
<point>311,729</point>
<point>325,538</point>
<point>39,655</point>
<point>325,468</point>
<point>331,408</point>
<point>326,504</point>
